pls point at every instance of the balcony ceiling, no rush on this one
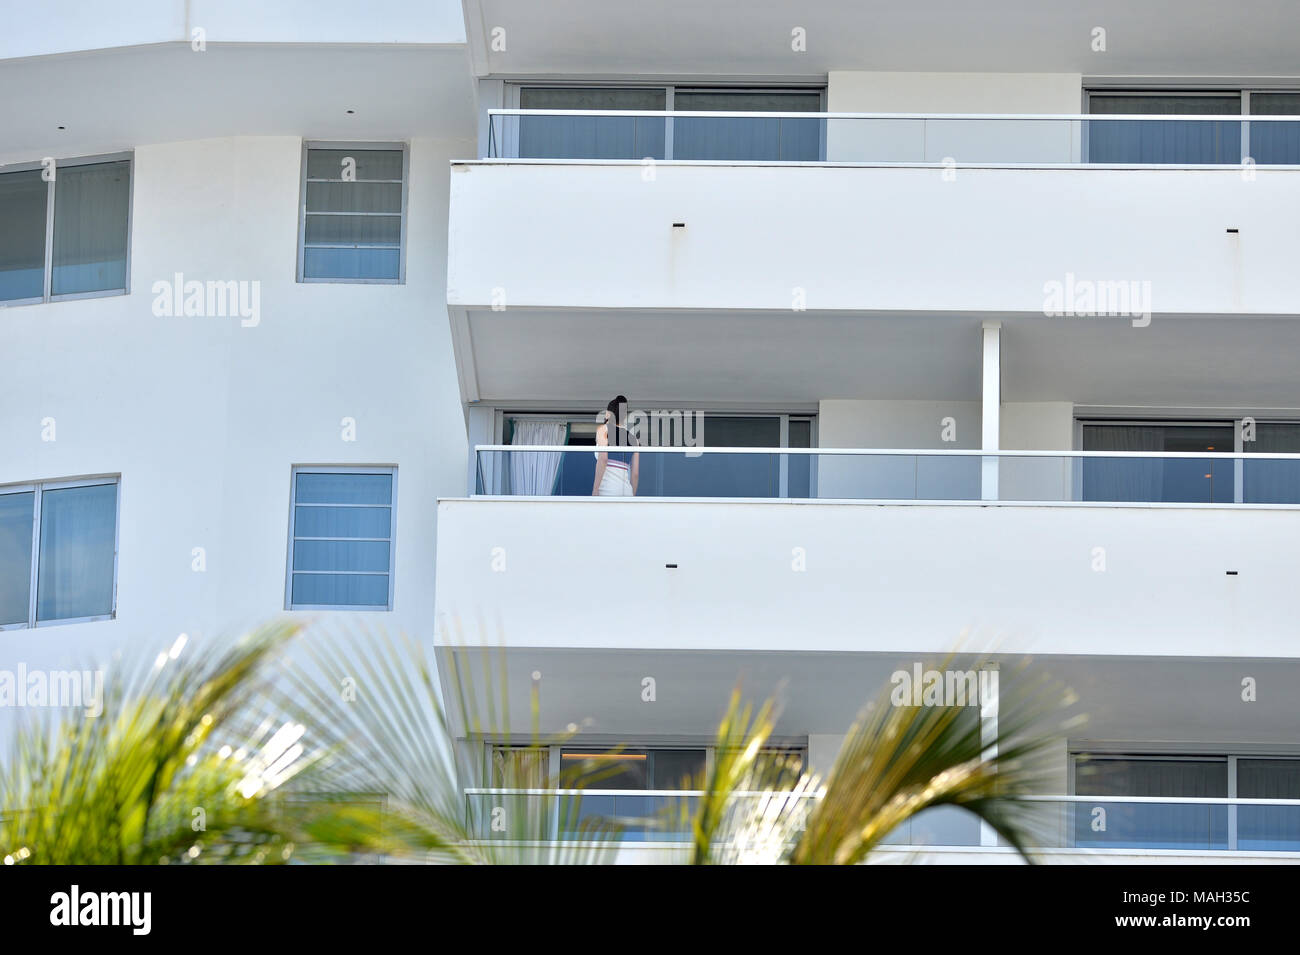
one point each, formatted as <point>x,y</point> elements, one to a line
<point>117,99</point>
<point>1192,38</point>
<point>530,356</point>
<point>1172,699</point>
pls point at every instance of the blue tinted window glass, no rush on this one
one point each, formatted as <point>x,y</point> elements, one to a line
<point>77,544</point>
<point>739,139</point>
<point>22,238</point>
<point>1184,142</point>
<point>353,215</point>
<point>342,548</point>
<point>588,137</point>
<point>340,590</point>
<point>91,209</point>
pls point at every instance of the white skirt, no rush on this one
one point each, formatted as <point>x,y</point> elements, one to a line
<point>615,482</point>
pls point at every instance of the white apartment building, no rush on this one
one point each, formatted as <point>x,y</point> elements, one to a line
<point>958,325</point>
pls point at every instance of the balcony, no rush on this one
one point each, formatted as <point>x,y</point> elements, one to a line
<point>888,216</point>
<point>1037,477</point>
<point>1052,553</point>
<point>1101,825</point>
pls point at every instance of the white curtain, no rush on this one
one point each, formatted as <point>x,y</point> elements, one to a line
<point>534,472</point>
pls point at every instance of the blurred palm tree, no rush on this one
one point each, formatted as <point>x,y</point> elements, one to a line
<point>896,762</point>
<point>171,771</point>
<point>321,749</point>
<point>398,754</point>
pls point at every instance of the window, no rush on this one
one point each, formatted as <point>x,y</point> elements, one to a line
<point>1208,478</point>
<point>1193,823</point>
<point>341,539</point>
<point>726,139</point>
<point>637,769</point>
<point>1201,480</point>
<point>58,552</point>
<point>1268,827</point>
<point>588,137</point>
<point>1153,825</point>
<point>782,140</point>
<point>67,237</point>
<point>352,224</point>
<point>1272,482</point>
<point>520,767</point>
<point>1227,141</point>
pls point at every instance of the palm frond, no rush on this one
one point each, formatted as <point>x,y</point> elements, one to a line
<point>899,760</point>
<point>375,706</point>
<point>151,779</point>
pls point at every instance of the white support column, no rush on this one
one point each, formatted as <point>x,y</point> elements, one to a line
<point>991,412</point>
<point>989,698</point>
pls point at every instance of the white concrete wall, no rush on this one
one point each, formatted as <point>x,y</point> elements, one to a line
<point>1036,426</point>
<point>203,418</point>
<point>889,578</point>
<point>859,91</point>
<point>887,239</point>
<point>896,424</point>
<point>850,91</point>
<point>1029,426</point>
<point>62,26</point>
<point>823,748</point>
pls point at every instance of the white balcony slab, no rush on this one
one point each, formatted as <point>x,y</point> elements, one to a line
<point>817,237</point>
<point>877,577</point>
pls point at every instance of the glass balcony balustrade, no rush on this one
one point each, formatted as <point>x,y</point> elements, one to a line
<point>805,137</point>
<point>903,475</point>
<point>1053,822</point>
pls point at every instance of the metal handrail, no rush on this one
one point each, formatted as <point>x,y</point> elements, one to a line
<point>1085,800</point>
<point>972,117</point>
<point>906,452</point>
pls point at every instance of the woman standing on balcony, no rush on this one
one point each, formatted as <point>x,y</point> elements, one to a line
<point>617,472</point>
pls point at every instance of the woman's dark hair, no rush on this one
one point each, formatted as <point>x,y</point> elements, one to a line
<point>618,408</point>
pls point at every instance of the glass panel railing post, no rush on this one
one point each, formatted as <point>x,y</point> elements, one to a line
<point>989,477</point>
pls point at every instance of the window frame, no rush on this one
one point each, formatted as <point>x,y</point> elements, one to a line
<point>392,146</point>
<point>392,536</point>
<point>38,488</point>
<point>47,295</point>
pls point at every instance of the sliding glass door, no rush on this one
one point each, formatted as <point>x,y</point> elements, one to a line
<point>1206,479</point>
<point>1151,825</point>
<point>1268,827</point>
<point>1165,141</point>
<point>672,473</point>
<point>734,139</point>
<point>1228,140</point>
<point>590,137</point>
<point>716,138</point>
<point>1274,144</point>
<point>1272,482</point>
